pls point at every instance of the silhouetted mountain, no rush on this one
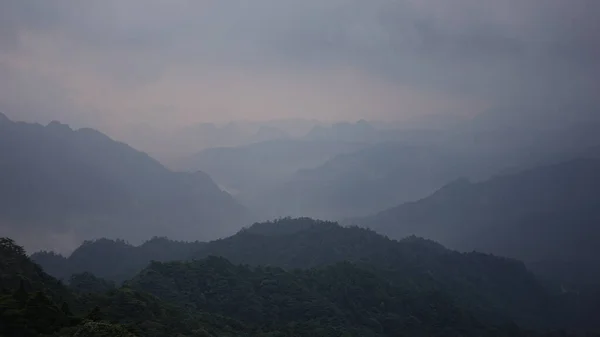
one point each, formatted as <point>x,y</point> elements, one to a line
<point>367,181</point>
<point>359,132</point>
<point>266,133</point>
<point>172,145</point>
<point>550,213</point>
<point>61,184</point>
<point>4,119</point>
<point>114,260</point>
<point>89,283</point>
<point>418,163</point>
<point>250,169</point>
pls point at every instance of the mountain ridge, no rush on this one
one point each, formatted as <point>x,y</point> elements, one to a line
<point>214,297</point>
<point>81,184</point>
<point>506,214</point>
<point>475,279</point>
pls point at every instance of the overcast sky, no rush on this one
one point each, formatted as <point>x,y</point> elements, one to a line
<point>109,63</point>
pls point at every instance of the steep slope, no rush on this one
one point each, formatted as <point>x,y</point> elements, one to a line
<point>550,213</point>
<point>72,185</point>
<point>17,271</point>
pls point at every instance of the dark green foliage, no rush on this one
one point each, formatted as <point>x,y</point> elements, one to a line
<point>30,316</point>
<point>343,297</point>
<point>213,297</point>
<point>94,315</point>
<point>96,329</point>
<point>494,288</point>
<point>88,283</point>
<point>491,285</point>
<point>18,272</point>
<point>28,300</point>
<point>33,303</point>
<point>65,309</point>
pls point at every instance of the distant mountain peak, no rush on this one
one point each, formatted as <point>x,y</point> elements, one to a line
<point>288,226</point>
<point>4,119</point>
<point>94,134</point>
<point>59,127</point>
<point>457,184</point>
<point>363,123</point>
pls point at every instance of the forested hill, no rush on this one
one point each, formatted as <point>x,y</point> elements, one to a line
<point>339,298</point>
<point>61,185</point>
<point>114,260</point>
<point>543,215</point>
<point>491,286</point>
<point>213,297</point>
<point>34,304</point>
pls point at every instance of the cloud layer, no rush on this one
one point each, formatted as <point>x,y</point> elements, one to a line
<point>113,63</point>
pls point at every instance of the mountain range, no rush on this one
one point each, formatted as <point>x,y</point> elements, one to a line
<point>418,162</point>
<point>261,166</point>
<point>60,186</point>
<point>213,297</point>
<point>493,289</point>
<point>548,214</point>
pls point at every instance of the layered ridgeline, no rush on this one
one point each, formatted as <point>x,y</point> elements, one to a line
<point>493,289</point>
<point>418,162</point>
<point>34,304</point>
<point>62,186</point>
<point>332,171</point>
<point>247,170</point>
<point>114,260</point>
<point>213,297</point>
<point>364,181</point>
<point>548,217</point>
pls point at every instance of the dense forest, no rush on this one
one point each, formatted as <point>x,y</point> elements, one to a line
<point>213,297</point>
<point>300,276</point>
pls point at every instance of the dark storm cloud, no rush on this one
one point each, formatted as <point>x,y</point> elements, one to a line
<point>154,51</point>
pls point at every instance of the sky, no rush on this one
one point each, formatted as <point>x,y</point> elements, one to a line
<point>114,63</point>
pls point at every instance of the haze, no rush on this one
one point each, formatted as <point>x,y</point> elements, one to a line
<point>369,168</point>
<point>113,64</point>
